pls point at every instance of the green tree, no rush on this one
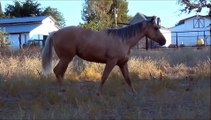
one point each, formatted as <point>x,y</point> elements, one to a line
<point>198,5</point>
<point>55,14</point>
<point>32,8</point>
<point>23,9</point>
<point>99,14</point>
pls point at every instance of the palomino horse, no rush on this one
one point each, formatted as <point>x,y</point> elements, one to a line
<point>111,46</point>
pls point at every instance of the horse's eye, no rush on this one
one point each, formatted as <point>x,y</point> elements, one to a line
<point>156,28</point>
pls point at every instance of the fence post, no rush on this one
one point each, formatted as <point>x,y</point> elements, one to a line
<point>151,44</point>
<point>20,42</point>
<point>210,34</point>
<point>44,39</point>
<point>177,40</point>
<point>147,43</point>
<point>204,39</point>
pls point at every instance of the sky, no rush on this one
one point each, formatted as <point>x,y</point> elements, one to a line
<point>167,10</point>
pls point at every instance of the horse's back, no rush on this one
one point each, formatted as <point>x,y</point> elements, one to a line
<point>87,44</point>
<point>77,40</point>
<point>73,33</point>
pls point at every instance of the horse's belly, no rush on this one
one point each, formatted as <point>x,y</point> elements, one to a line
<point>92,53</point>
<point>93,59</point>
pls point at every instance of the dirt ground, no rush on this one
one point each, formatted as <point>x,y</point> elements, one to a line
<point>155,99</point>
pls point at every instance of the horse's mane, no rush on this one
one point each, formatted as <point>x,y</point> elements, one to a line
<point>127,32</point>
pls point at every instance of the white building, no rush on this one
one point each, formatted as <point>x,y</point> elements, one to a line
<point>189,30</point>
<point>167,34</point>
<point>23,30</point>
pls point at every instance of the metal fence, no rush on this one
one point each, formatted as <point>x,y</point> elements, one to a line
<point>190,38</point>
<point>178,39</point>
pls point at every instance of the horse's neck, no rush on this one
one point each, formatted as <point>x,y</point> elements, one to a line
<point>134,40</point>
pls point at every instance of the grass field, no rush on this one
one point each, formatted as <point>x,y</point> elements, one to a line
<point>170,84</point>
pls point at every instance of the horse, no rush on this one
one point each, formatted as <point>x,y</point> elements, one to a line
<point>110,46</point>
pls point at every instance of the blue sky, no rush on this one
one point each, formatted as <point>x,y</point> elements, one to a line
<point>167,10</point>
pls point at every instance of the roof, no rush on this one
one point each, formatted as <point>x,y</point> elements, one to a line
<point>22,25</point>
<point>138,18</point>
<point>35,19</point>
<point>20,28</point>
<point>201,16</point>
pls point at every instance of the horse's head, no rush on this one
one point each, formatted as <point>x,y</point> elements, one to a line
<point>153,31</point>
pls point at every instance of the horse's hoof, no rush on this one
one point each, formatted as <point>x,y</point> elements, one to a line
<point>98,94</point>
<point>61,92</point>
<point>132,93</point>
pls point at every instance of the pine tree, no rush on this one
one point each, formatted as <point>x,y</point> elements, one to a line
<point>1,12</point>
<point>55,14</point>
<point>32,8</point>
<point>99,14</point>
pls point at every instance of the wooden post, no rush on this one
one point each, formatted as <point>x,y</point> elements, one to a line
<point>20,42</point>
<point>210,30</point>
<point>151,44</point>
<point>204,39</point>
<point>177,40</point>
<point>147,44</point>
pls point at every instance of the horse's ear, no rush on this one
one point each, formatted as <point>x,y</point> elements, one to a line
<point>153,19</point>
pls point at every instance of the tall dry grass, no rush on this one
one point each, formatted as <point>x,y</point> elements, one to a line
<point>170,64</point>
<point>170,84</point>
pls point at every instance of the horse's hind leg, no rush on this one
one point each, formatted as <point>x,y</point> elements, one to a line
<point>60,69</point>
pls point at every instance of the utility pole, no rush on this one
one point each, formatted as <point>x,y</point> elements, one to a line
<point>115,16</point>
<point>1,11</point>
<point>210,33</point>
<point>114,10</point>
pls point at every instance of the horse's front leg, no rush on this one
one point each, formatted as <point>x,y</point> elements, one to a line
<point>124,70</point>
<point>109,66</point>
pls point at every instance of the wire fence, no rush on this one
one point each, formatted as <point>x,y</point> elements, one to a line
<point>178,39</point>
<point>190,38</point>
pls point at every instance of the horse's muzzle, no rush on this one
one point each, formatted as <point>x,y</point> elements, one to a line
<point>163,42</point>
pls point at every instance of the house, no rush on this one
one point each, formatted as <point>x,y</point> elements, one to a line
<point>151,44</point>
<point>187,31</point>
<point>25,30</point>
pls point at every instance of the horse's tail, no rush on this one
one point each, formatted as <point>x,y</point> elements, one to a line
<point>47,55</point>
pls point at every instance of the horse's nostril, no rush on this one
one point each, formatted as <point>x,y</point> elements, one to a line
<point>163,42</point>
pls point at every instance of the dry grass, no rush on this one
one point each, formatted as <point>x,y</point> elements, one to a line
<point>170,84</point>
